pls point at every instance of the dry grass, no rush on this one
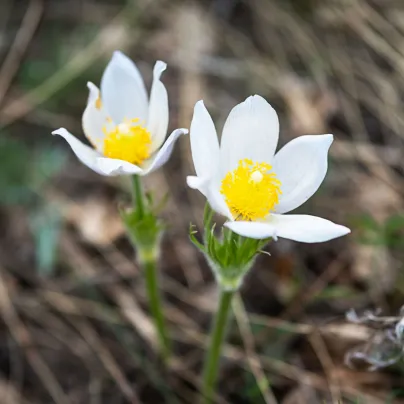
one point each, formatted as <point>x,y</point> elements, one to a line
<point>83,333</point>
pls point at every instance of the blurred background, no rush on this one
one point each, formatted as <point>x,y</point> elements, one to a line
<point>75,325</point>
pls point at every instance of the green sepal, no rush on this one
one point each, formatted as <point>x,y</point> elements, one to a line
<point>229,255</point>
<point>142,223</point>
<point>194,241</point>
<point>144,230</point>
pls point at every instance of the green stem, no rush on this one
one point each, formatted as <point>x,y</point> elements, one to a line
<point>211,366</point>
<point>137,195</point>
<point>148,254</point>
<point>155,301</point>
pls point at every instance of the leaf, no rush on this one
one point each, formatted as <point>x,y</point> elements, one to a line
<point>336,292</point>
<point>46,163</point>
<point>14,158</point>
<point>394,231</point>
<point>370,232</point>
<point>23,171</point>
<point>45,226</point>
<point>194,241</point>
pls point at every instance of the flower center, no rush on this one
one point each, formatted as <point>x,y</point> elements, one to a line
<point>127,141</point>
<point>251,190</point>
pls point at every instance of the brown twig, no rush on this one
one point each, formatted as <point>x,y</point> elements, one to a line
<point>21,334</point>
<point>23,38</point>
<point>95,343</point>
<point>249,346</point>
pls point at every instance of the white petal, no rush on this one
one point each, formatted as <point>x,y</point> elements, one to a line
<point>198,183</point>
<point>94,160</point>
<point>94,118</point>
<point>204,142</point>
<point>251,131</point>
<point>84,153</point>
<point>216,200</point>
<point>301,166</point>
<point>256,230</point>
<point>306,228</point>
<point>114,167</point>
<point>123,90</point>
<point>157,122</point>
<point>211,193</point>
<point>162,156</point>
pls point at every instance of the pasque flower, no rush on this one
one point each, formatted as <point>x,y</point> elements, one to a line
<point>244,180</point>
<point>126,130</point>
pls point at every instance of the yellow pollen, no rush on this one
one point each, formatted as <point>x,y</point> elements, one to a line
<point>98,103</point>
<point>127,141</point>
<point>251,191</point>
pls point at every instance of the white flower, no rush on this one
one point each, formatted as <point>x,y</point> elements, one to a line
<point>125,129</point>
<point>244,180</point>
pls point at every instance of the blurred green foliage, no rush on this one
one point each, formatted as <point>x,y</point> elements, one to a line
<point>336,292</point>
<point>34,72</point>
<point>45,226</point>
<point>390,233</point>
<point>396,393</point>
<point>24,174</point>
<point>252,389</point>
<point>25,170</point>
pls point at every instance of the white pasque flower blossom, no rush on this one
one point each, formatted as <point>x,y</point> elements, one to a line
<point>126,130</point>
<point>244,180</point>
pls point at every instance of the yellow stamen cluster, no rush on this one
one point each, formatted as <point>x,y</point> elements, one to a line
<point>128,141</point>
<point>251,190</point>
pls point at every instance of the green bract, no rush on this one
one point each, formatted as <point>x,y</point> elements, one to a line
<point>144,231</point>
<point>229,255</point>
